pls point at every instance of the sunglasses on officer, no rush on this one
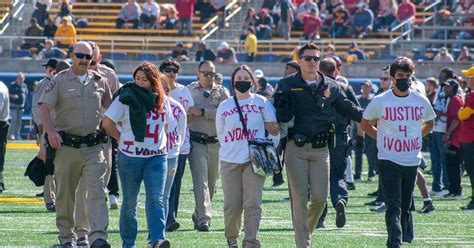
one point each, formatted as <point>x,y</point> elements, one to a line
<point>384,79</point>
<point>83,55</point>
<point>210,74</point>
<point>309,58</point>
<point>170,70</point>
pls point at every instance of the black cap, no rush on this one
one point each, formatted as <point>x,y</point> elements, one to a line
<point>293,64</point>
<point>51,63</point>
<point>451,82</point>
<point>62,65</point>
<point>109,63</point>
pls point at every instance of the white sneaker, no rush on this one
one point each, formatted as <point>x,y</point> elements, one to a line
<point>441,193</point>
<point>113,202</point>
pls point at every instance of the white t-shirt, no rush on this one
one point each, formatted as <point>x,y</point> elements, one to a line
<point>176,129</point>
<point>155,136</point>
<point>256,111</point>
<point>399,125</point>
<point>440,104</point>
<point>183,96</point>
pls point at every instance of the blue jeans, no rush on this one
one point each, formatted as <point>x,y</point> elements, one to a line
<point>16,113</point>
<point>463,35</point>
<point>438,162</point>
<point>132,171</point>
<point>189,25</point>
<point>172,165</point>
<point>175,190</point>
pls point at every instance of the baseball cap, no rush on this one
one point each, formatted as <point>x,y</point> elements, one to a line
<point>445,12</point>
<point>361,4</point>
<point>258,73</point>
<point>179,44</point>
<point>219,75</point>
<point>368,83</point>
<point>451,82</point>
<point>62,65</point>
<point>223,45</point>
<point>51,63</point>
<point>109,63</point>
<point>353,44</point>
<point>469,72</point>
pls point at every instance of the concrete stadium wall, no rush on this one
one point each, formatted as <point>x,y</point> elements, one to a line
<point>361,69</point>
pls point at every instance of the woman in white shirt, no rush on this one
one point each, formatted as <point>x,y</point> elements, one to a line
<point>242,188</point>
<point>176,136</point>
<point>143,113</point>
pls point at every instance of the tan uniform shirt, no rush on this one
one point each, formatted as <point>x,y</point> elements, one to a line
<point>206,124</point>
<point>36,96</point>
<point>77,104</point>
<point>110,76</point>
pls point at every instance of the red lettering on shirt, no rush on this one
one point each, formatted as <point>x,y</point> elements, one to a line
<point>238,134</point>
<point>403,113</point>
<point>128,143</point>
<point>155,134</point>
<point>399,145</point>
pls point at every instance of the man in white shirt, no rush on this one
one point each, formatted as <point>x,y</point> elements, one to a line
<point>403,118</point>
<point>4,114</point>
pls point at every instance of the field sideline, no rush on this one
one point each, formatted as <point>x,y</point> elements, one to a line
<point>28,223</point>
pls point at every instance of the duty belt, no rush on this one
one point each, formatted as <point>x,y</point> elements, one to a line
<point>202,138</point>
<point>90,140</point>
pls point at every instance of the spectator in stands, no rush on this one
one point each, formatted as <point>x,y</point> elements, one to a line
<point>226,54</point>
<point>213,7</point>
<point>351,5</point>
<point>150,14</point>
<point>50,29</point>
<point>250,21</point>
<point>18,92</point>
<point>331,51</point>
<point>443,56</point>
<point>464,10</point>
<point>250,44</point>
<point>286,18</point>
<point>464,56</point>
<point>34,30</point>
<point>65,9</point>
<point>185,10</point>
<point>304,8</point>
<point>204,53</point>
<point>264,25</point>
<point>171,17</point>
<point>466,34</point>
<point>445,20</point>
<point>180,54</point>
<point>386,15</point>
<point>129,13</point>
<point>269,4</point>
<point>49,51</point>
<point>265,88</point>
<point>431,84</point>
<point>65,36</point>
<point>406,10</point>
<point>41,12</point>
<point>362,21</point>
<point>340,21</point>
<point>355,52</point>
<point>312,25</point>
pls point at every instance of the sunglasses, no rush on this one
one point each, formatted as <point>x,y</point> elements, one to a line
<point>171,70</point>
<point>309,58</point>
<point>209,74</point>
<point>384,79</point>
<point>83,55</point>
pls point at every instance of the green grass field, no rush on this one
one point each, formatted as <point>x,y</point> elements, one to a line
<point>23,224</point>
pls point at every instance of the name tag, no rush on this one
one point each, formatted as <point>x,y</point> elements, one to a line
<point>296,89</point>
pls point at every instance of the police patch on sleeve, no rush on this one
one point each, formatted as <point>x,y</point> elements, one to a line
<point>50,85</point>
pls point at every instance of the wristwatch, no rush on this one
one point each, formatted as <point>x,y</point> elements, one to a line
<point>202,112</point>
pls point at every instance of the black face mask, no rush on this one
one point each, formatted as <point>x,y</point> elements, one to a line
<point>403,84</point>
<point>242,86</point>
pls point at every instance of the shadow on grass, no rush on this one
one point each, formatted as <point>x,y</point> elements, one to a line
<point>275,230</point>
<point>26,212</point>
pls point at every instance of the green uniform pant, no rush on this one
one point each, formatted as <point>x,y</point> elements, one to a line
<point>307,169</point>
<point>71,166</point>
<point>204,162</point>
<point>242,192</point>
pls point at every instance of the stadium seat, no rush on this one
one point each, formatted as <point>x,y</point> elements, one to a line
<point>20,54</point>
<point>267,58</point>
<point>387,57</point>
<point>242,57</point>
<point>118,56</point>
<point>148,56</point>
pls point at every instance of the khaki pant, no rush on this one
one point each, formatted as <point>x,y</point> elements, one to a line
<point>307,168</point>
<point>82,227</point>
<point>49,189</point>
<point>72,165</point>
<point>204,162</point>
<point>242,191</point>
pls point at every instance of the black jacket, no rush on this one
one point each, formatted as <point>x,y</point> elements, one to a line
<point>312,107</point>
<point>342,122</point>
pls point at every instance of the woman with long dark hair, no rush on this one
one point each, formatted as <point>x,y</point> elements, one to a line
<point>143,112</point>
<point>242,187</point>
